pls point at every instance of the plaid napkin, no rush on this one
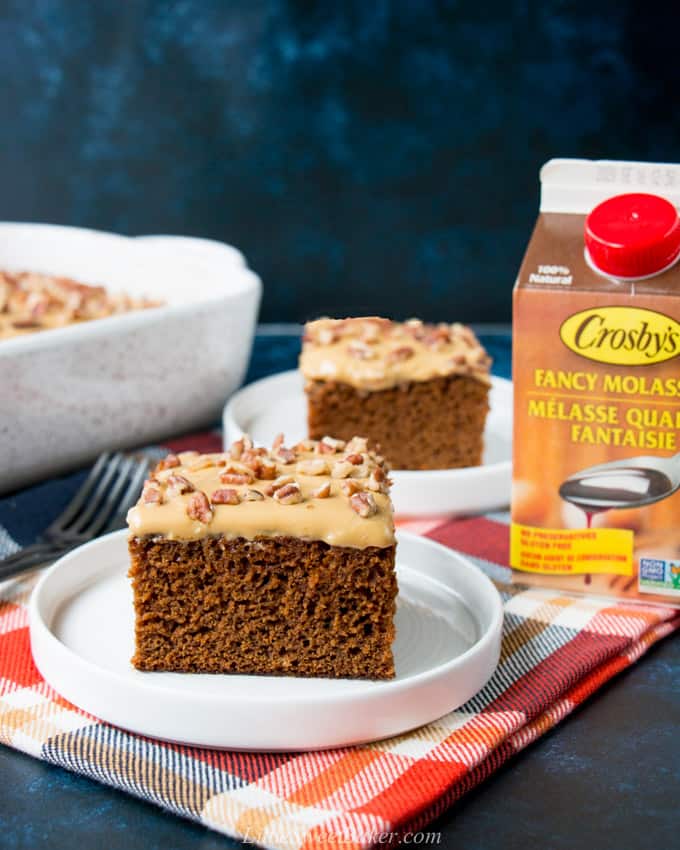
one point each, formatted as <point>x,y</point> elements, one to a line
<point>556,652</point>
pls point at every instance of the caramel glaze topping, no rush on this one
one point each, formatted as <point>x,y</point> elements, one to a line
<point>374,354</point>
<point>317,490</point>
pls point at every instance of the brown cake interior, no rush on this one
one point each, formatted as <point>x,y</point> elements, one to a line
<point>435,424</point>
<point>274,605</point>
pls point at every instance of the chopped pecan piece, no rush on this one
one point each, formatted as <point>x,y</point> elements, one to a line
<point>357,444</point>
<point>342,469</point>
<point>415,328</point>
<point>236,450</point>
<point>178,485</point>
<point>322,492</point>
<point>286,456</point>
<point>169,462</point>
<point>363,504</point>
<point>323,448</point>
<point>355,459</point>
<point>267,470</point>
<point>289,494</point>
<point>225,496</point>
<point>253,496</point>
<point>312,467</point>
<point>350,486</point>
<point>236,478</point>
<point>278,442</point>
<point>376,481</point>
<point>151,494</point>
<point>281,481</point>
<point>251,460</point>
<point>379,474</point>
<point>198,507</point>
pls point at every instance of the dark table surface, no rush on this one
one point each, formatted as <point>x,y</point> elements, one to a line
<point>608,776</point>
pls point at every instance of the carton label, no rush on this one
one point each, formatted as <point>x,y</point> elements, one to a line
<point>559,551</point>
<point>622,336</point>
<point>596,372</point>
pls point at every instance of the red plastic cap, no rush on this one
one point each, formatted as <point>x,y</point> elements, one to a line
<point>633,235</point>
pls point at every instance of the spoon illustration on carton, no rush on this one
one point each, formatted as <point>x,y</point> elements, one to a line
<point>631,483</point>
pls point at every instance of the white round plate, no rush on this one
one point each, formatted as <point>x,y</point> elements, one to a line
<point>275,404</point>
<point>449,619</point>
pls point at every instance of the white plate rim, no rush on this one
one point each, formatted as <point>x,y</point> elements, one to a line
<point>231,426</point>
<point>45,642</point>
<point>415,493</point>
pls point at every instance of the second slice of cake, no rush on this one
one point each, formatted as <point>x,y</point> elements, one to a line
<point>419,392</point>
<point>263,561</point>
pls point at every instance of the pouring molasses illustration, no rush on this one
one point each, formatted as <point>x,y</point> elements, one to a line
<point>631,483</point>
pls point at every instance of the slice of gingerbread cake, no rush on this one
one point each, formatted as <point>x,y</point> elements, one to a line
<point>418,392</point>
<point>266,562</point>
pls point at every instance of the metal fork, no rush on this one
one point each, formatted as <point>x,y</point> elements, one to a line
<point>99,506</point>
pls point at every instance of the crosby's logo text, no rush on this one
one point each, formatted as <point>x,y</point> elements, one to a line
<point>622,336</point>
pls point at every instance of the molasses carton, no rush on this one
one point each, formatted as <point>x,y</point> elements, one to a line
<point>596,368</point>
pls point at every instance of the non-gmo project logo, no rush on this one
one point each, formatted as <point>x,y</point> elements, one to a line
<point>622,336</point>
<point>652,569</point>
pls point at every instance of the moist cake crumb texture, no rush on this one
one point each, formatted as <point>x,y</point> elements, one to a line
<point>259,561</point>
<point>273,606</point>
<point>418,392</point>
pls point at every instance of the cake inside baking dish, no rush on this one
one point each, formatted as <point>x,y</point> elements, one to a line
<point>266,561</point>
<point>418,392</point>
<point>32,301</point>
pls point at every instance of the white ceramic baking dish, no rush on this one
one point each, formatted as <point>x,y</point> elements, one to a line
<point>70,393</point>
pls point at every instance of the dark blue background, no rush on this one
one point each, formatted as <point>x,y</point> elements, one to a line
<point>367,156</point>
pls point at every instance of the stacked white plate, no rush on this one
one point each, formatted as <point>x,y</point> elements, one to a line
<point>275,404</point>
